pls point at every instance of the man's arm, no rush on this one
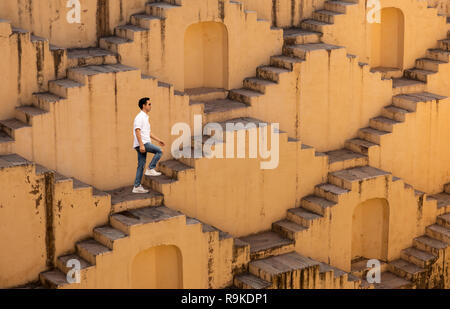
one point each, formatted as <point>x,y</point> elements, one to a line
<point>139,138</point>
<point>157,139</point>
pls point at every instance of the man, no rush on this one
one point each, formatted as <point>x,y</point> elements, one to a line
<point>142,144</point>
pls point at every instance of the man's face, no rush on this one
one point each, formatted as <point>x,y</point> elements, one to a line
<point>147,107</point>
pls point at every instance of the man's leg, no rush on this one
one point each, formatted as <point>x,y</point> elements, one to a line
<point>158,154</point>
<point>142,158</point>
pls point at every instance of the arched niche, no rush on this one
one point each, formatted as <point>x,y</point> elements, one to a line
<point>370,230</point>
<point>157,268</point>
<point>388,40</point>
<point>206,56</point>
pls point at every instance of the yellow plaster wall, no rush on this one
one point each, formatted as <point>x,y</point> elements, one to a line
<point>28,65</point>
<point>23,219</point>
<point>423,28</point>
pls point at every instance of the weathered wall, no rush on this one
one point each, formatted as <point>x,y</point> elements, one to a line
<point>23,224</point>
<point>284,13</point>
<point>28,64</point>
<point>49,19</point>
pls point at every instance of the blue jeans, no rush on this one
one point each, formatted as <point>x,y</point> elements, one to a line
<point>142,158</point>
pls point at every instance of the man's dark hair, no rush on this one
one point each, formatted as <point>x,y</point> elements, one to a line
<point>142,102</point>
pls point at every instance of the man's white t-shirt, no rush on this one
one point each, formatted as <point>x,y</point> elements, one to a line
<point>141,122</point>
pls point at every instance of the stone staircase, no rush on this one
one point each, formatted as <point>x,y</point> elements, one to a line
<point>269,249</point>
<point>59,90</point>
<point>90,252</point>
<point>421,262</point>
<point>272,251</point>
<point>14,160</point>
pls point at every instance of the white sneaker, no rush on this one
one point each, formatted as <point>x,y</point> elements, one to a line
<point>139,189</point>
<point>152,172</point>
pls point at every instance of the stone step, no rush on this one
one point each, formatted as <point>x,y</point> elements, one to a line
<point>438,232</point>
<point>429,64</point>
<point>160,9</point>
<point>372,135</point>
<point>130,31</point>
<point>288,229</point>
<point>205,94</point>
<point>327,191</point>
<point>314,25</point>
<point>26,114</point>
<point>221,110</point>
<point>338,6</point>
<point>351,178</point>
<point>258,84</point>
<point>438,54</point>
<point>285,62</point>
<point>360,269</point>
<point>360,146</point>
<point>403,86</point>
<point>174,169</point>
<point>428,244</point>
<point>319,204</point>
<point>345,158</point>
<point>418,74</point>
<point>65,88</point>
<point>243,95</point>
<point>53,279</point>
<point>82,74</point>
<point>6,143</point>
<point>391,281</point>
<point>249,281</point>
<point>145,21</point>
<point>406,270</point>
<point>265,244</point>
<point>418,257</point>
<point>326,16</point>
<point>302,216</point>
<point>388,73</point>
<point>286,271</point>
<point>123,199</point>
<point>444,44</point>
<point>442,199</point>
<point>125,220</point>
<point>302,50</point>
<point>89,56</point>
<point>337,273</point>
<point>157,182</point>
<point>444,220</point>
<point>91,249</point>
<point>293,36</point>
<point>13,160</point>
<point>270,73</point>
<point>45,100</point>
<point>66,263</point>
<point>107,235</point>
<point>383,124</point>
<point>114,43</point>
<point>395,113</point>
<point>410,101</point>
<point>10,126</point>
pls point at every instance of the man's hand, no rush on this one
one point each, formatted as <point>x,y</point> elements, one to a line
<point>142,149</point>
<point>162,143</point>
